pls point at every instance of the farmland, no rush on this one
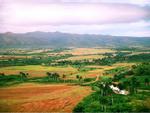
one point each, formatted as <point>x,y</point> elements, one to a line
<point>84,57</point>
<point>75,56</point>
<point>63,80</point>
<point>38,70</point>
<point>88,51</point>
<point>41,98</point>
<point>70,71</point>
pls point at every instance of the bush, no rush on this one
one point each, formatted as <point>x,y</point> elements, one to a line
<point>89,79</point>
<point>121,108</point>
<point>93,107</point>
<point>79,108</point>
<point>141,106</point>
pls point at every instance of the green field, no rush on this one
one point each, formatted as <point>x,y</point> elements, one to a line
<point>31,78</point>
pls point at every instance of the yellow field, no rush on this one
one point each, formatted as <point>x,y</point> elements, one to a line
<point>40,71</point>
<point>7,57</point>
<point>31,97</point>
<point>87,51</point>
<point>124,64</point>
<point>37,70</point>
<point>82,57</point>
<point>99,71</point>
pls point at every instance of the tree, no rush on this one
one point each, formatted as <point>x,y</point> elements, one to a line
<point>134,85</point>
<point>126,84</point>
<point>105,91</point>
<point>24,76</point>
<point>77,76</point>
<point>53,76</point>
<point>80,78</point>
<point>49,75</point>
<point>103,102</point>
<point>2,74</point>
<point>63,76</point>
<point>142,69</point>
<point>121,86</point>
<point>56,76</point>
<point>146,81</point>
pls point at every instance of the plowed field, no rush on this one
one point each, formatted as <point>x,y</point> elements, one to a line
<point>41,98</point>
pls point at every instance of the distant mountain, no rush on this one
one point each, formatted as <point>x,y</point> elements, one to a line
<point>64,40</point>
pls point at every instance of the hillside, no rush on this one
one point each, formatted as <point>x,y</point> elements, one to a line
<point>63,40</point>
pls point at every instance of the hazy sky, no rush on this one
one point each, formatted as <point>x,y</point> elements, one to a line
<point>110,17</point>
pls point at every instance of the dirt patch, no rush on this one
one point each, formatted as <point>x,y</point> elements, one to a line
<point>41,98</point>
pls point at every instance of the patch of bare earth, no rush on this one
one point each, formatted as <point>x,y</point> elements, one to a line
<point>41,98</point>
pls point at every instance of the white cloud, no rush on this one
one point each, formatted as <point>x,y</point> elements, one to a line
<point>100,18</point>
<point>138,2</point>
<point>71,14</point>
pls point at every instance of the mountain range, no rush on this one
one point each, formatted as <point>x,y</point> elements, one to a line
<point>64,40</point>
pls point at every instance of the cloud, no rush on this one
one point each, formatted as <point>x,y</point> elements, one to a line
<point>72,14</point>
<point>113,17</point>
<point>137,2</point>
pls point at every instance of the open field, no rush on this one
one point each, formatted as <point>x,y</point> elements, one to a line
<point>71,72</point>
<point>41,98</point>
<point>87,51</point>
<point>24,51</point>
<point>100,70</point>
<point>84,57</point>
<point>10,57</point>
<point>74,56</point>
<point>37,70</point>
<point>63,87</point>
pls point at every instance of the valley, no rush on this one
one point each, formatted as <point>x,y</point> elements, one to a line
<point>63,80</point>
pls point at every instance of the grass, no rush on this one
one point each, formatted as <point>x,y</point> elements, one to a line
<point>35,67</point>
<point>7,57</point>
<point>130,103</point>
<point>38,93</point>
<point>69,71</point>
<point>115,70</point>
<point>85,57</point>
<point>97,70</point>
<point>38,70</point>
<point>88,51</point>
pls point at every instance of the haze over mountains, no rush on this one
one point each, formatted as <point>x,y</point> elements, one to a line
<point>65,40</point>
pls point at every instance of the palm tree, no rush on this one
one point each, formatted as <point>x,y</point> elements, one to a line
<point>146,81</point>
<point>64,76</point>
<point>126,84</point>
<point>105,91</point>
<point>80,78</point>
<point>101,87</point>
<point>27,75</point>
<point>103,102</point>
<point>53,76</point>
<point>133,85</point>
<point>77,76</point>
<point>56,76</point>
<point>2,74</point>
<point>49,75</point>
<point>23,76</point>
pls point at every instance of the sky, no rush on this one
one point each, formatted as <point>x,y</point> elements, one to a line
<point>108,17</point>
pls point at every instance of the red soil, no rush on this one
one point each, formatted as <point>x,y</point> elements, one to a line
<point>42,98</point>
